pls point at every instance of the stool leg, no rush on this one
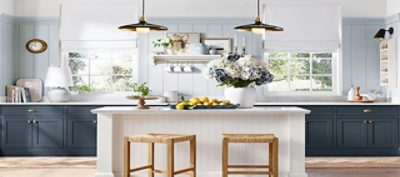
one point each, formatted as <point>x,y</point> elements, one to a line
<point>151,159</point>
<point>193,156</point>
<point>127,158</point>
<point>225,150</point>
<point>275,157</point>
<point>170,158</point>
<point>271,158</point>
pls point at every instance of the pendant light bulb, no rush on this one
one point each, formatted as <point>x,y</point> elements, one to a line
<point>258,30</point>
<point>143,30</point>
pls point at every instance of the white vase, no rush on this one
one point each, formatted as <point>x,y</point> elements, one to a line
<point>245,97</point>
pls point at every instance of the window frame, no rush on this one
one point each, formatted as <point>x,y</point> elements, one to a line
<point>335,78</point>
<point>91,52</point>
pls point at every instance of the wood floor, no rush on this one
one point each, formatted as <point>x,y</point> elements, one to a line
<point>377,172</point>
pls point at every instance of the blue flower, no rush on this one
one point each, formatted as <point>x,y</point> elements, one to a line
<point>266,77</point>
<point>219,74</point>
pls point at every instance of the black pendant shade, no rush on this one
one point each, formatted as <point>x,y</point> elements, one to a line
<point>143,26</point>
<point>259,27</point>
<point>382,33</point>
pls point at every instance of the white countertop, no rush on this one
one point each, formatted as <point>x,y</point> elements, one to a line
<point>164,110</point>
<point>133,103</point>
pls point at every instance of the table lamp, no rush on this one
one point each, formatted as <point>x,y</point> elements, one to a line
<point>58,80</point>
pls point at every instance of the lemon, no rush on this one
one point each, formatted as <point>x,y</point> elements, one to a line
<point>180,107</point>
<point>222,104</point>
<point>206,104</point>
<point>215,104</point>
<point>204,99</point>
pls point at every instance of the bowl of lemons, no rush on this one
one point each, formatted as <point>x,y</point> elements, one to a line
<point>203,103</point>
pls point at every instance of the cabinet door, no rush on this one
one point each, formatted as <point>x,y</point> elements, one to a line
<point>319,132</point>
<point>383,133</point>
<point>352,133</point>
<point>16,132</point>
<point>82,133</point>
<point>48,133</point>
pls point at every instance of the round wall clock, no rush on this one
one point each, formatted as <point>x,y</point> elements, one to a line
<point>36,46</point>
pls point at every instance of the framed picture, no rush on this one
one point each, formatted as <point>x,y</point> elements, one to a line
<point>223,45</point>
<point>187,38</point>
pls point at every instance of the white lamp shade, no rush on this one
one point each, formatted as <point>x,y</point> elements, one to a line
<point>58,77</point>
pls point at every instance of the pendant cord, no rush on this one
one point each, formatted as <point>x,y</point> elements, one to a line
<point>258,7</point>
<point>143,8</point>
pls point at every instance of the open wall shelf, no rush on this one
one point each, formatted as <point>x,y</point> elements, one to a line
<point>192,59</point>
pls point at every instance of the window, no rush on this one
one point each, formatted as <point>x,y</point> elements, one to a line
<point>102,71</point>
<point>303,72</point>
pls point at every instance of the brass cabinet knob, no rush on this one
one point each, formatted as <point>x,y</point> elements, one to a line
<point>95,121</point>
<point>35,122</point>
<point>368,110</point>
<point>31,110</point>
<point>370,121</point>
<point>29,121</point>
<point>365,121</point>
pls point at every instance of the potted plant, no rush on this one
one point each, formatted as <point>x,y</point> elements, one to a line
<point>140,90</point>
<point>239,75</point>
<point>165,43</point>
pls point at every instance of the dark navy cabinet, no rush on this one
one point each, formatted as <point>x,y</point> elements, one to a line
<point>319,132</point>
<point>352,130</point>
<point>47,130</point>
<point>16,132</point>
<point>352,133</point>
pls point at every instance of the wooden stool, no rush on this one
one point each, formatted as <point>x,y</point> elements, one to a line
<point>251,138</point>
<point>168,139</point>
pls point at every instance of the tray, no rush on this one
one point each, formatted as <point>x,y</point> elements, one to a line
<point>202,107</point>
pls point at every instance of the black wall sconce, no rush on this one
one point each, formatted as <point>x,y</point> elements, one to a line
<point>382,33</point>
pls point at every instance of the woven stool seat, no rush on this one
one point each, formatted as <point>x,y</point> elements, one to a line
<point>159,138</point>
<point>249,138</point>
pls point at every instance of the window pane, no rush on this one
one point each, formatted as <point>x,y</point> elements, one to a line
<point>121,83</point>
<point>322,83</point>
<point>301,55</point>
<point>280,84</point>
<point>322,66</point>
<point>300,83</point>
<point>79,66</point>
<point>77,55</point>
<point>100,83</point>
<point>300,67</point>
<point>322,55</point>
<point>122,64</point>
<point>278,55</point>
<point>100,66</point>
<point>81,80</point>
<point>278,67</point>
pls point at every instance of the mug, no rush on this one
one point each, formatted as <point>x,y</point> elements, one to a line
<point>171,96</point>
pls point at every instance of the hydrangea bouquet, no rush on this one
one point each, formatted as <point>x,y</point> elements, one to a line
<point>238,72</point>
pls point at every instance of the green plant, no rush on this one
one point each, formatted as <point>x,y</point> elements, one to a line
<point>82,88</point>
<point>141,89</point>
<point>165,43</point>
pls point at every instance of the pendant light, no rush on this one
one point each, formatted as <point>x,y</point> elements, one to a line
<point>259,27</point>
<point>143,26</point>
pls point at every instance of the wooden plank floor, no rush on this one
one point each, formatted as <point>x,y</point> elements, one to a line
<point>377,172</point>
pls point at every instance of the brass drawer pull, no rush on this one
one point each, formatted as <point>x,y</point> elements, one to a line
<point>95,121</point>
<point>31,110</point>
<point>368,110</point>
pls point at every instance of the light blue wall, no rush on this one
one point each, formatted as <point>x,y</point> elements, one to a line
<point>360,53</point>
<point>16,62</point>
<point>7,53</point>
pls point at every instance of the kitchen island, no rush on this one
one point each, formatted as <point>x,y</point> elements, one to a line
<point>287,123</point>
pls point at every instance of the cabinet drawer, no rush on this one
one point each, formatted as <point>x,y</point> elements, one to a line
<point>81,110</point>
<point>367,110</point>
<point>320,110</point>
<point>33,110</point>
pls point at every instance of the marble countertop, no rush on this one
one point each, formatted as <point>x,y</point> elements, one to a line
<point>133,103</point>
<point>165,110</point>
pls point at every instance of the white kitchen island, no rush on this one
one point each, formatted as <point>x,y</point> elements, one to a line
<point>287,123</point>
